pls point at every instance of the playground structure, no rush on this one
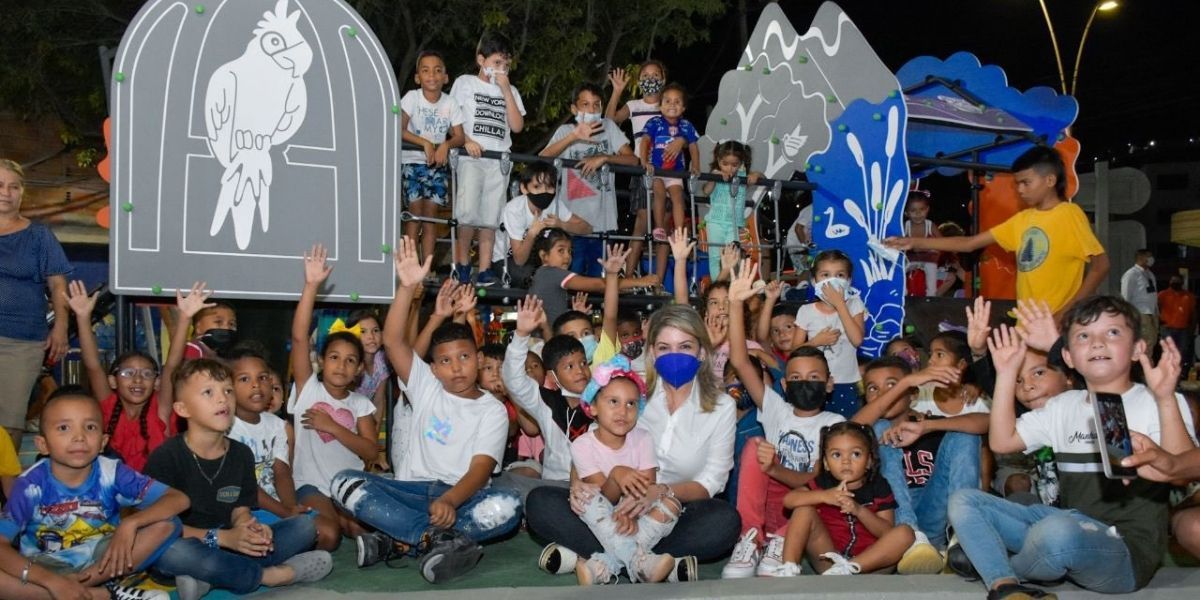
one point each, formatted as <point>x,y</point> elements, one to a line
<point>323,148</point>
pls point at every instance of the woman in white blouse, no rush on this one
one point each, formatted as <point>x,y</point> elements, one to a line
<point>693,422</point>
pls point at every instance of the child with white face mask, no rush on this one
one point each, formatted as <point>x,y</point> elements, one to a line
<point>835,325</point>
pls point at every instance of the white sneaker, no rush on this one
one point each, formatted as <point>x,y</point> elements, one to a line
<point>687,568</point>
<point>772,559</point>
<point>744,560</point>
<point>841,566</point>
<point>120,592</point>
<point>785,570</point>
<point>557,560</point>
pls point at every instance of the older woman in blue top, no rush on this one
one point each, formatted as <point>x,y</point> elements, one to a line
<point>32,263</point>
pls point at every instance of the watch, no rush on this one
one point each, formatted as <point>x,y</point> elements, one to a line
<point>210,538</point>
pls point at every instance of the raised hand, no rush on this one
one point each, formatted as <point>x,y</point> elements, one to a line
<point>618,78</point>
<point>681,247</point>
<point>464,299</point>
<point>1163,377</point>
<point>718,328</point>
<point>409,268</point>
<point>774,290</point>
<point>443,306</point>
<point>530,315</point>
<point>1036,324</point>
<point>939,376</point>
<point>741,287</point>
<point>1007,349</point>
<point>315,268</point>
<point>78,299</point>
<point>584,131</point>
<point>730,254</point>
<point>195,301</point>
<point>978,327</point>
<point>579,302</point>
<point>615,261</point>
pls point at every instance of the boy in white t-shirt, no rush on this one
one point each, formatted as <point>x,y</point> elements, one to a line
<point>1109,536</point>
<point>432,120</point>
<point>594,141</point>
<point>439,505</point>
<point>526,216</point>
<point>267,437</point>
<point>788,456</point>
<point>492,111</point>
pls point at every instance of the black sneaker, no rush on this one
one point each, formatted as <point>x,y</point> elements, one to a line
<point>1016,591</point>
<point>122,592</point>
<point>957,560</point>
<point>372,548</point>
<point>448,554</point>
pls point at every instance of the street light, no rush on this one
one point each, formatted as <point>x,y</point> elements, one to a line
<point>1100,6</point>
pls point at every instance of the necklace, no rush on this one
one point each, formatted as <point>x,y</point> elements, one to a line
<point>196,458</point>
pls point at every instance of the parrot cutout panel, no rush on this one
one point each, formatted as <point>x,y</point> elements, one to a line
<point>244,132</point>
<point>825,93</point>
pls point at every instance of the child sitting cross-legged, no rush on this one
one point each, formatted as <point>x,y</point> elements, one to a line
<point>439,505</point>
<point>845,519</point>
<point>64,514</point>
<point>223,545</point>
<point>613,465</point>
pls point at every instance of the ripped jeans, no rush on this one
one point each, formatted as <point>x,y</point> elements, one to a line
<point>1047,543</point>
<point>622,550</point>
<point>401,508</point>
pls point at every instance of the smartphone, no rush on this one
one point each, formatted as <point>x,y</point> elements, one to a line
<point>1112,429</point>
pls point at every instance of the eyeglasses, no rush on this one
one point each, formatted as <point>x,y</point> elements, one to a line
<point>130,373</point>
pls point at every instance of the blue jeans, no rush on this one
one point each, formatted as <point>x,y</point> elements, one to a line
<point>844,400</point>
<point>401,508</point>
<point>232,571</point>
<point>1048,543</point>
<point>585,254</point>
<point>955,468</point>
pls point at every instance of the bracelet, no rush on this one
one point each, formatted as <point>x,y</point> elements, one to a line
<point>25,572</point>
<point>210,538</point>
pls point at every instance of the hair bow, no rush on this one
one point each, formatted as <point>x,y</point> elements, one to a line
<point>339,326</point>
<point>602,374</point>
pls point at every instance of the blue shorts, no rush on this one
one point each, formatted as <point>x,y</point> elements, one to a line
<point>423,182</point>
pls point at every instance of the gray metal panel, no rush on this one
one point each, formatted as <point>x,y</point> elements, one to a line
<point>244,132</point>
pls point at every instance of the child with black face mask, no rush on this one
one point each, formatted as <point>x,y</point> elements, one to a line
<point>787,457</point>
<point>526,216</point>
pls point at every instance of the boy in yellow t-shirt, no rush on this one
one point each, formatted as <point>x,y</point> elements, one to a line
<point>10,466</point>
<point>1052,237</point>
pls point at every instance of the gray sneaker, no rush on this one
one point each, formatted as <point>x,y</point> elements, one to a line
<point>372,548</point>
<point>190,588</point>
<point>310,566</point>
<point>448,554</point>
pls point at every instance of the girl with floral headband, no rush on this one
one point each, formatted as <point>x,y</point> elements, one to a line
<point>617,460</point>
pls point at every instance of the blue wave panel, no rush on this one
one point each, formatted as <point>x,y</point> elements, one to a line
<point>862,184</point>
<point>1042,109</point>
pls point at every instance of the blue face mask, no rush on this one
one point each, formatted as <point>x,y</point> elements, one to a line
<point>589,346</point>
<point>677,369</point>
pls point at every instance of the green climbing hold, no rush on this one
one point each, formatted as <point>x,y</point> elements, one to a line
<point>877,117</point>
<point>395,109</point>
<point>748,68</point>
<point>482,293</point>
<point>199,9</point>
<point>878,206</point>
<point>816,218</point>
<point>1062,136</point>
<point>766,70</point>
<point>819,169</point>
<point>354,296</point>
<point>999,119</point>
<point>879,327</point>
<point>724,121</point>
<point>893,93</point>
<point>351,31</point>
<point>127,207</point>
<point>156,290</point>
<point>801,59</point>
<point>909,329</point>
<point>119,76</point>
<point>385,248</point>
<point>831,98</point>
<point>774,140</point>
<point>807,167</point>
<point>842,127</point>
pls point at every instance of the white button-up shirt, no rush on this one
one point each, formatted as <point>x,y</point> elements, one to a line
<point>691,445</point>
<point>1139,289</point>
